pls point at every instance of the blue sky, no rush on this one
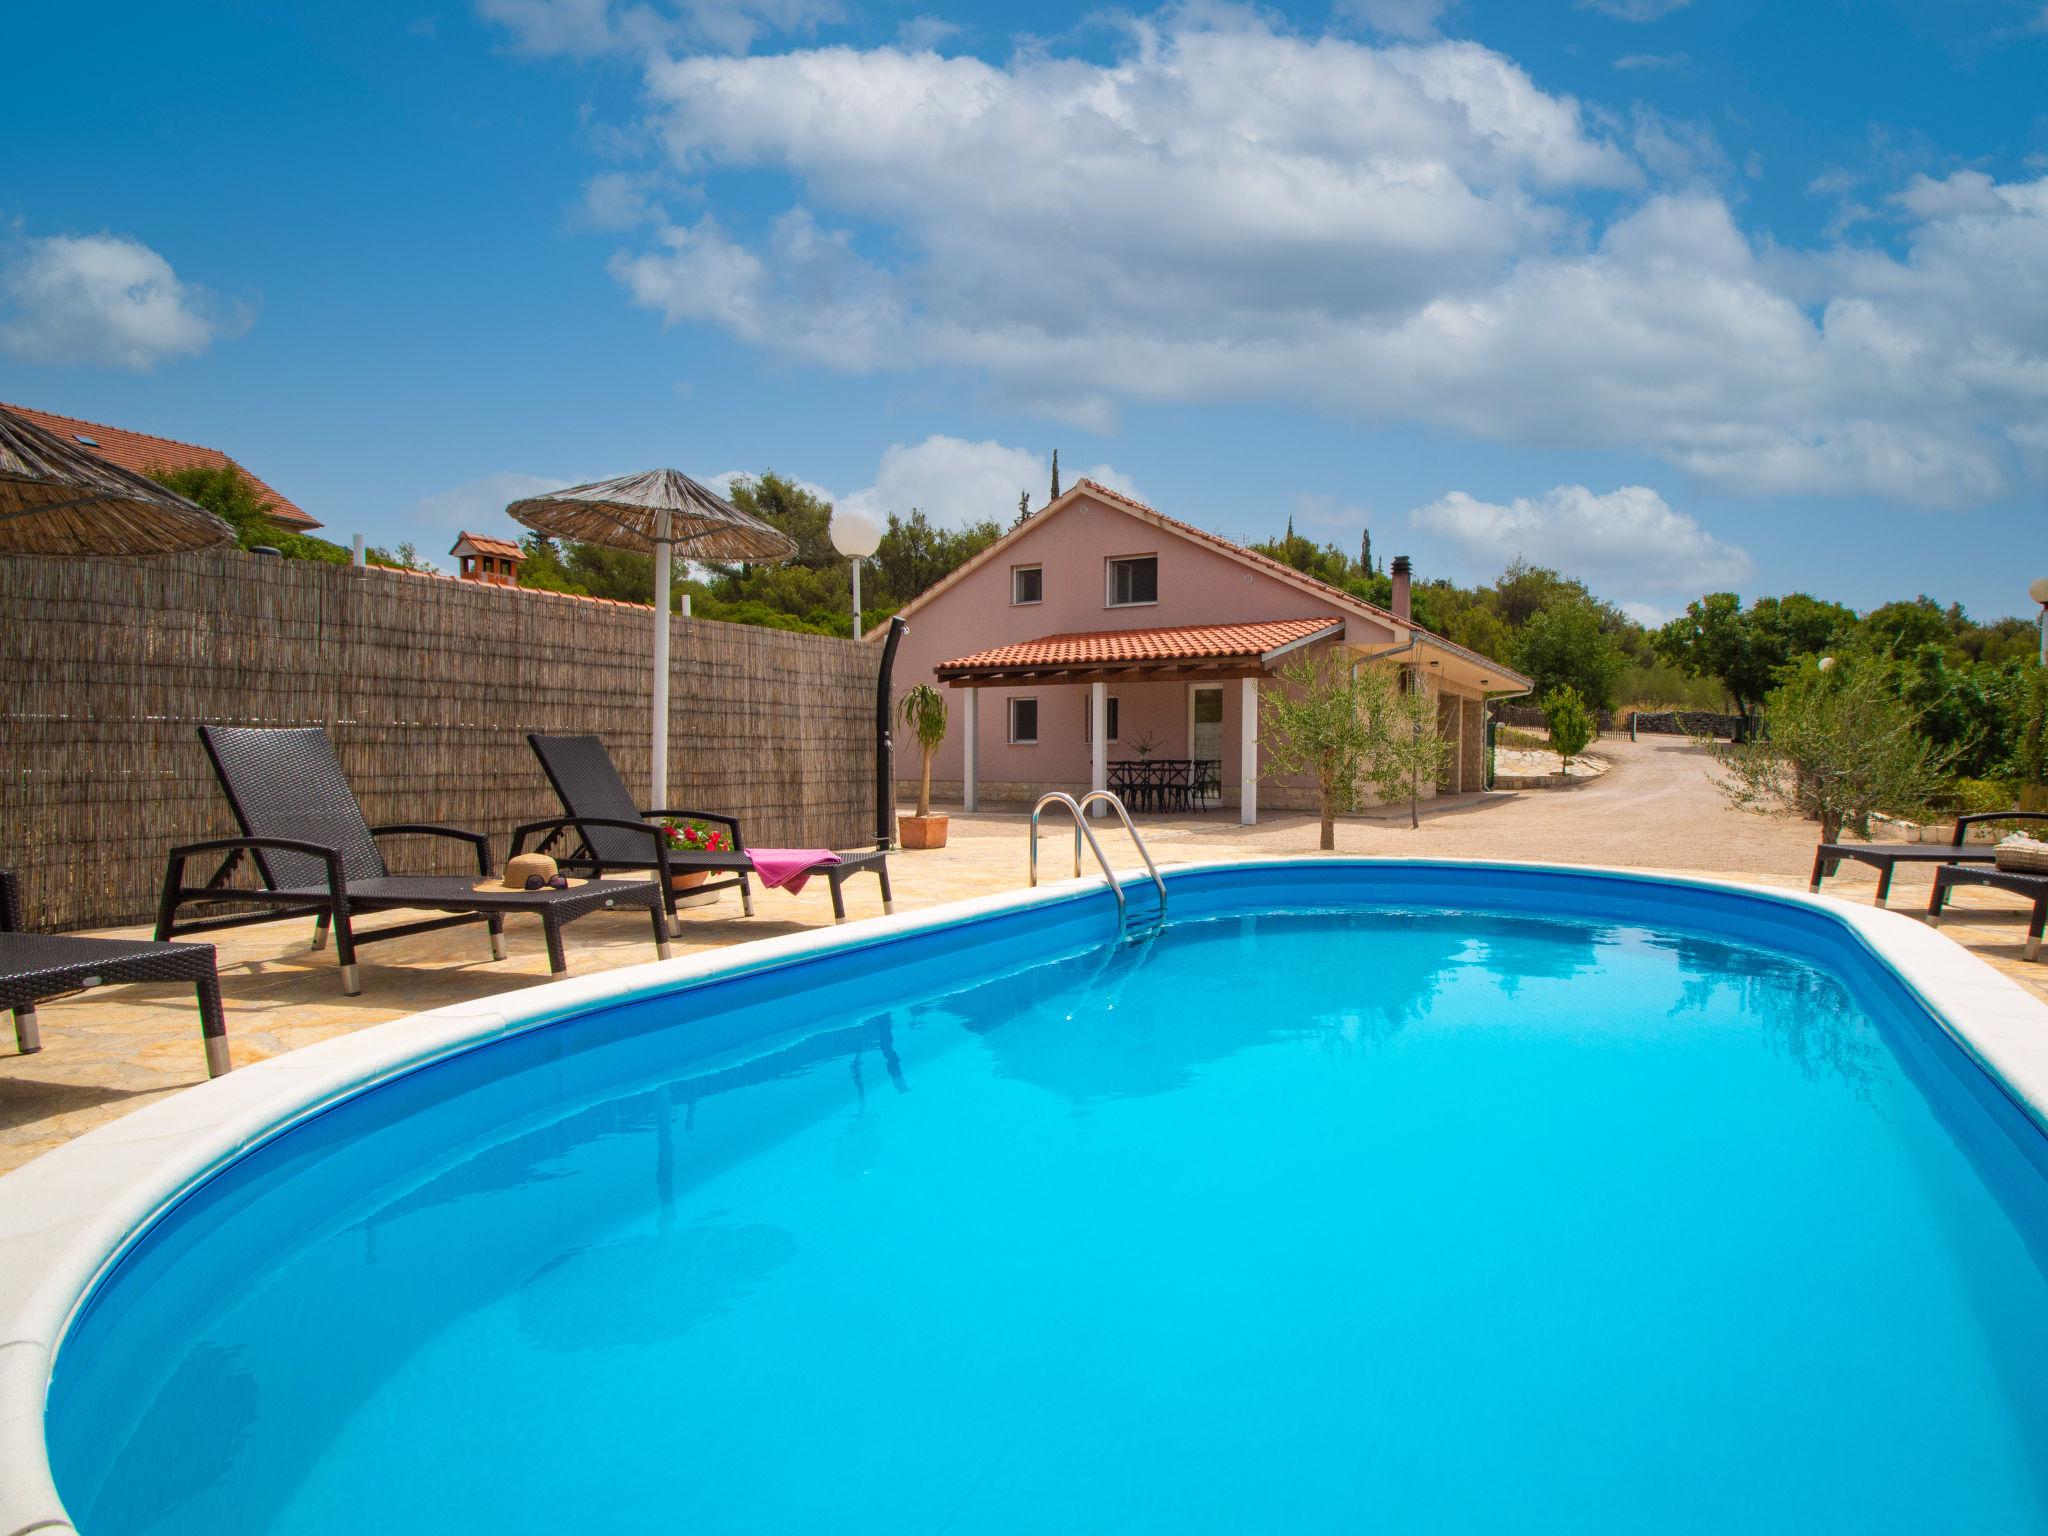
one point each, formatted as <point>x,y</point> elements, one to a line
<point>1674,295</point>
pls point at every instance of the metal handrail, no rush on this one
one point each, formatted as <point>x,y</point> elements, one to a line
<point>1124,816</point>
<point>1078,809</point>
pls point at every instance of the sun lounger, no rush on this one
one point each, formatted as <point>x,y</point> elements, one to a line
<point>612,832</point>
<point>1886,856</point>
<point>316,856</point>
<point>2033,887</point>
<point>35,967</point>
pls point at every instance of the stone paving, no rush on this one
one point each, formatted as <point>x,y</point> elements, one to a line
<point>108,1052</point>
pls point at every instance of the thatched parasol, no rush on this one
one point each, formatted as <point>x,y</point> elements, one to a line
<point>57,499</point>
<point>662,512</point>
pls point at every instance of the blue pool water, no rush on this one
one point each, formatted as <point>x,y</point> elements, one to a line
<point>1673,1215</point>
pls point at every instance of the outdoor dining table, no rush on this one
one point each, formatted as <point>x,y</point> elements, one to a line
<point>1165,783</point>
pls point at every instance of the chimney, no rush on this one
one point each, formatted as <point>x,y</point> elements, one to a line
<point>1400,603</point>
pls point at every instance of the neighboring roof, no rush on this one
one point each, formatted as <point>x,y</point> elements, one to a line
<point>1278,570</point>
<point>1254,645</point>
<point>483,544</point>
<point>140,452</point>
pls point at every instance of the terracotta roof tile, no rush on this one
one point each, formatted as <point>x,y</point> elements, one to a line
<point>1187,642</point>
<point>142,453</point>
<point>483,544</point>
<point>1287,572</point>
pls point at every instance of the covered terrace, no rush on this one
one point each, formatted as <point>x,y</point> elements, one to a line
<point>1200,659</point>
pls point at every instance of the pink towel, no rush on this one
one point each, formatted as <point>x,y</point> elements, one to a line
<point>790,867</point>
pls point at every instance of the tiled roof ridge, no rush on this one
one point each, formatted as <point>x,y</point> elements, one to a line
<point>134,444</point>
<point>1281,567</point>
<point>108,426</point>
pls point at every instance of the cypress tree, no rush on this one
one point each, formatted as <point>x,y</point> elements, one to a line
<point>1055,477</point>
<point>1365,552</point>
<point>1023,506</point>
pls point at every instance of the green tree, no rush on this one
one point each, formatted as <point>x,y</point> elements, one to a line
<point>233,497</point>
<point>1055,496</point>
<point>1899,629</point>
<point>1571,725</point>
<point>1712,639</point>
<point>1317,723</point>
<point>913,555</point>
<point>1565,644</point>
<point>1842,744</point>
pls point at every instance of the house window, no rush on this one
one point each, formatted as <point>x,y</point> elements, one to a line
<point>1027,584</point>
<point>1023,722</point>
<point>1133,581</point>
<point>1088,719</point>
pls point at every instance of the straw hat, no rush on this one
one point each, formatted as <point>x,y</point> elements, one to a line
<point>519,869</point>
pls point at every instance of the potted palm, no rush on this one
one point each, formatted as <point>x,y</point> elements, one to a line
<point>924,711</point>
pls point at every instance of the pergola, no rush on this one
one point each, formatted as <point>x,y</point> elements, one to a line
<point>1194,653</point>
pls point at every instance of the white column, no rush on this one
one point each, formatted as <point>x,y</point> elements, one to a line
<point>657,777</point>
<point>1098,747</point>
<point>970,740</point>
<point>1248,751</point>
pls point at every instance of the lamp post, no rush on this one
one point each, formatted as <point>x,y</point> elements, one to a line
<point>855,537</point>
<point>2038,591</point>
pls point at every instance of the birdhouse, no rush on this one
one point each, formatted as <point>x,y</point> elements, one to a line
<point>495,561</point>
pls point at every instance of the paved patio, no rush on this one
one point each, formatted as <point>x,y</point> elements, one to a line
<point>108,1052</point>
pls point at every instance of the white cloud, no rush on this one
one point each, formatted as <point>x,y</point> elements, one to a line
<point>956,482</point>
<point>1654,62</point>
<point>920,33</point>
<point>1399,18</point>
<point>1230,210</point>
<point>478,506</point>
<point>105,300</point>
<point>1627,542</point>
<point>586,28</point>
<point>1634,10</point>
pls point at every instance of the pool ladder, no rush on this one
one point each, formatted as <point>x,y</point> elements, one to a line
<point>1079,810</point>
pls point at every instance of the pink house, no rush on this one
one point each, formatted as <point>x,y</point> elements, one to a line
<point>1100,630</point>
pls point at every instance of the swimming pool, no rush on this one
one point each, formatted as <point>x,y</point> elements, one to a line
<point>1363,1195</point>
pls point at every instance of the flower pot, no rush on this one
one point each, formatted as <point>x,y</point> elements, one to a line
<point>690,882</point>
<point>921,831</point>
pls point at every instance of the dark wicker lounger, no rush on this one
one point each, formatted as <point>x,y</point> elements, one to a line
<point>2034,887</point>
<point>1885,856</point>
<point>613,833</point>
<point>317,857</point>
<point>35,967</point>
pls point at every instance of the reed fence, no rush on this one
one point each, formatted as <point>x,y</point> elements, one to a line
<point>427,686</point>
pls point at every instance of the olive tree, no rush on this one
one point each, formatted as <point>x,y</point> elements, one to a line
<point>1407,751</point>
<point>1317,723</point>
<point>1839,745</point>
<point>1347,724</point>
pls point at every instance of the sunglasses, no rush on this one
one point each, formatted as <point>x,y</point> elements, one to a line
<point>545,882</point>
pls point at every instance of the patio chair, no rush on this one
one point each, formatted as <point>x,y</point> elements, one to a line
<point>612,832</point>
<point>316,856</point>
<point>35,967</point>
<point>1885,856</point>
<point>2020,883</point>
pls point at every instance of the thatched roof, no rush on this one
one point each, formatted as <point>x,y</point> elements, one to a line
<point>625,513</point>
<point>58,499</point>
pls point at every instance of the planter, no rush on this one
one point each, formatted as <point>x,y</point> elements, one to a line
<point>921,831</point>
<point>690,882</point>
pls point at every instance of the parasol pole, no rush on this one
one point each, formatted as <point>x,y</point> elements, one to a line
<point>657,777</point>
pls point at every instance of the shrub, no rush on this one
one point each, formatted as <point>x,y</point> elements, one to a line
<point>1571,725</point>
